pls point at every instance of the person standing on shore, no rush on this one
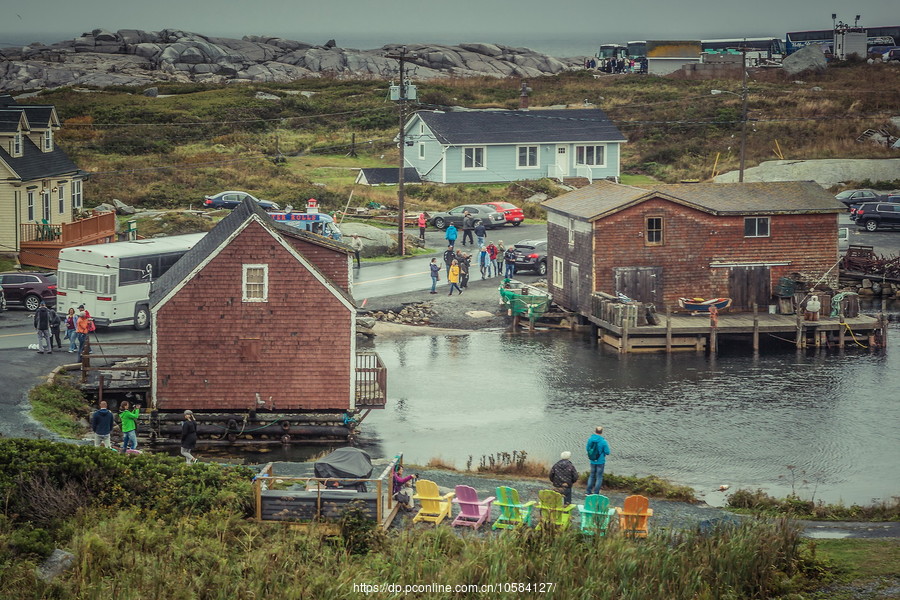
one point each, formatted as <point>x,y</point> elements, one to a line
<point>82,328</point>
<point>453,278</point>
<point>509,257</point>
<point>501,250</point>
<point>129,425</point>
<point>435,274</point>
<point>492,258</point>
<point>483,263</point>
<point>451,235</point>
<point>480,233</point>
<point>564,475</point>
<point>423,223</point>
<point>42,325</point>
<point>449,257</point>
<point>597,450</point>
<point>357,245</point>
<point>188,437</point>
<point>71,322</point>
<point>102,424</point>
<point>464,261</point>
<point>55,322</point>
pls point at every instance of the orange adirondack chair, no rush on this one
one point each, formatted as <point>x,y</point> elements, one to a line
<point>634,517</point>
<point>434,506</point>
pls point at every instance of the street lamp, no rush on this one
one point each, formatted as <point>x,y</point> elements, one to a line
<point>743,97</point>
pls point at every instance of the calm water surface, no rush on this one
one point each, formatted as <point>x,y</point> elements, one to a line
<point>828,422</point>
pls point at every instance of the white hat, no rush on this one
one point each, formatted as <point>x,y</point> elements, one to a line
<point>566,455</point>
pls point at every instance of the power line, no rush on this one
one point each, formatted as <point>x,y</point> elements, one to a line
<point>234,122</point>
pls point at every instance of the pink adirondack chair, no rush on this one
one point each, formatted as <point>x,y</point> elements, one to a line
<point>472,512</point>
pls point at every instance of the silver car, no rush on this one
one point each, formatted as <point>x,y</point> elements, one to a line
<point>488,216</point>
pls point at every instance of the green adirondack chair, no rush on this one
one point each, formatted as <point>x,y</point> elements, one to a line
<point>595,514</point>
<point>512,512</point>
<point>554,512</point>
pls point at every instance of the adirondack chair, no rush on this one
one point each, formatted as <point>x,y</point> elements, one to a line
<point>595,514</point>
<point>554,512</point>
<point>434,506</point>
<point>472,512</point>
<point>512,512</point>
<point>634,517</point>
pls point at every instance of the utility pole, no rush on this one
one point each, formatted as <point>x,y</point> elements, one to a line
<point>743,112</point>
<point>401,225</point>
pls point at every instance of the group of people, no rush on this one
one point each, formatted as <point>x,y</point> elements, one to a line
<point>617,65</point>
<point>493,261</point>
<point>564,475</point>
<point>103,422</point>
<point>48,324</point>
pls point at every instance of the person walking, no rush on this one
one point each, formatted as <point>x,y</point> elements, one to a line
<point>480,233</point>
<point>55,323</point>
<point>501,250</point>
<point>423,223</point>
<point>465,261</point>
<point>449,257</point>
<point>42,325</point>
<point>597,450</point>
<point>71,319</point>
<point>453,278</point>
<point>357,245</point>
<point>468,228</point>
<point>564,475</point>
<point>188,437</point>
<point>509,257</point>
<point>102,424</point>
<point>82,328</point>
<point>451,235</point>
<point>435,274</point>
<point>129,425</point>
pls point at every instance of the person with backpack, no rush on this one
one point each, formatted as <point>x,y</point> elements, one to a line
<point>55,323</point>
<point>597,450</point>
<point>449,257</point>
<point>451,235</point>
<point>42,325</point>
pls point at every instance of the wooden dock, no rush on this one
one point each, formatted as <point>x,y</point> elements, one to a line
<point>685,332</point>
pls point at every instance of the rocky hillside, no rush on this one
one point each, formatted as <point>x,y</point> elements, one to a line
<point>135,57</point>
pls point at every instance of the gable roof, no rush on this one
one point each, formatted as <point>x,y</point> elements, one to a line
<point>226,228</point>
<point>604,198</point>
<point>41,116</point>
<point>387,176</point>
<point>35,164</point>
<point>12,120</point>
<point>520,126</point>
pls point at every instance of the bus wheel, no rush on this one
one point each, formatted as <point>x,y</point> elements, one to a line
<point>142,318</point>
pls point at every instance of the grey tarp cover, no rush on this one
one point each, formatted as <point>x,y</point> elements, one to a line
<point>345,463</point>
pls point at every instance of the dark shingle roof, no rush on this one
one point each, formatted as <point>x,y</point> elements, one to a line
<point>7,100</point>
<point>603,198</point>
<point>388,176</point>
<point>34,164</point>
<point>521,126</point>
<point>223,229</point>
<point>40,116</point>
<point>10,119</point>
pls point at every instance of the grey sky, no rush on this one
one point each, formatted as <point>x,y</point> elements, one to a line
<point>456,20</point>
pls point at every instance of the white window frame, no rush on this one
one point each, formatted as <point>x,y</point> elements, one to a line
<point>76,194</point>
<point>17,145</point>
<point>30,196</point>
<point>537,157</point>
<point>421,128</point>
<point>245,291</point>
<point>757,220</point>
<point>48,140</point>
<point>61,196</point>
<point>571,231</point>
<point>661,230</point>
<point>582,149</point>
<point>421,151</point>
<point>558,272</point>
<point>45,205</point>
<point>474,150</point>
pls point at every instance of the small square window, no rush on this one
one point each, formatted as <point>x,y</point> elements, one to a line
<point>756,227</point>
<point>654,231</point>
<point>256,283</point>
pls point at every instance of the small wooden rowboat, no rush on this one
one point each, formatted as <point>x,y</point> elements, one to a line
<point>701,305</point>
<point>524,300</point>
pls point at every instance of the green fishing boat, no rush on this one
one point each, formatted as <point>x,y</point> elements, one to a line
<point>524,300</point>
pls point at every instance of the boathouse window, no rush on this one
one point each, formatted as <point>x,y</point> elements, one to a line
<point>756,227</point>
<point>256,283</point>
<point>571,231</point>
<point>558,272</point>
<point>473,157</point>
<point>654,231</point>
<point>591,156</point>
<point>527,157</point>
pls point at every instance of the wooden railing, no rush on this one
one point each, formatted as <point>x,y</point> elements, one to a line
<point>371,381</point>
<point>97,225</point>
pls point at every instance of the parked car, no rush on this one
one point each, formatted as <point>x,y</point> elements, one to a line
<point>232,199</point>
<point>480,212</point>
<point>849,197</point>
<point>531,256</point>
<point>892,54</point>
<point>855,209</point>
<point>873,216</point>
<point>512,212</point>
<point>28,289</point>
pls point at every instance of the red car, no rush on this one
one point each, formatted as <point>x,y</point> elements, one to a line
<point>512,212</point>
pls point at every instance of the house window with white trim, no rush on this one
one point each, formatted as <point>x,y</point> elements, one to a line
<point>527,157</point>
<point>756,226</point>
<point>76,194</point>
<point>30,194</point>
<point>558,272</point>
<point>45,204</point>
<point>48,140</point>
<point>255,283</point>
<point>653,231</point>
<point>473,157</point>
<point>591,156</point>
<point>421,151</point>
<point>17,145</point>
<point>421,128</point>
<point>61,197</point>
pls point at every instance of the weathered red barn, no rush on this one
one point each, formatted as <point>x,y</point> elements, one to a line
<point>258,318</point>
<point>659,243</point>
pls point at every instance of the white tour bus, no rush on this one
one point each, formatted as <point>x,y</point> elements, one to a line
<point>113,280</point>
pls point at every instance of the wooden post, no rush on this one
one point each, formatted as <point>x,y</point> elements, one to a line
<point>624,347</point>
<point>884,331</point>
<point>799,340</point>
<point>595,332</point>
<point>841,326</point>
<point>755,327</point>
<point>713,340</point>
<point>668,329</point>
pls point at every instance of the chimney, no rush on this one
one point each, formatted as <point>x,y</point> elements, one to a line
<point>523,97</point>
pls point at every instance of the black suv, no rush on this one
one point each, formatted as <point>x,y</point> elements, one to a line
<point>873,216</point>
<point>532,256</point>
<point>28,289</point>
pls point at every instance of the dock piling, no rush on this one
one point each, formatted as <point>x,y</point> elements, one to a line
<point>755,327</point>
<point>668,330</point>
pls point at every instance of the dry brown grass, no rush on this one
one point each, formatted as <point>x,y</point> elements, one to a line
<point>438,462</point>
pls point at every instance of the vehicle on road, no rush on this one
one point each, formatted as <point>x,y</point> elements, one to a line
<point>873,216</point>
<point>488,216</point>
<point>512,212</point>
<point>232,199</point>
<point>855,209</point>
<point>892,54</point>
<point>113,280</point>
<point>29,289</point>
<point>849,197</point>
<point>531,256</point>
<point>318,223</point>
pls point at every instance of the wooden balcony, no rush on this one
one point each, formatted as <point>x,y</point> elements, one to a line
<point>371,381</point>
<point>40,244</point>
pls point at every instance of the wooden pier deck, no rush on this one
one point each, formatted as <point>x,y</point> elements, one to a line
<point>684,332</point>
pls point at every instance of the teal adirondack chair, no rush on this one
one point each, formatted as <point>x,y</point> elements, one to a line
<point>554,512</point>
<point>595,514</point>
<point>512,512</point>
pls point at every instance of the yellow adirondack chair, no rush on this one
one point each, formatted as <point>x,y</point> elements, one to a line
<point>554,512</point>
<point>635,516</point>
<point>435,508</point>
<point>512,512</point>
